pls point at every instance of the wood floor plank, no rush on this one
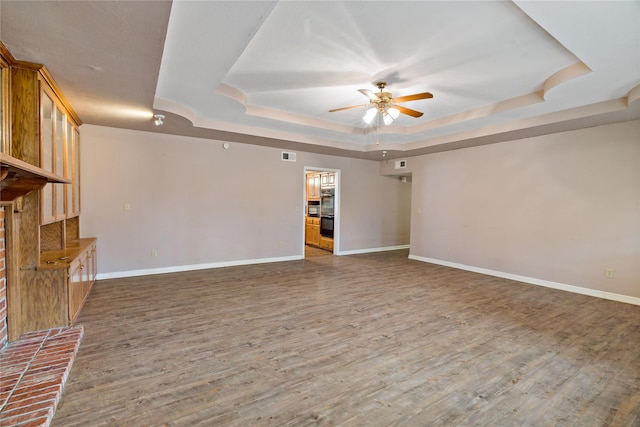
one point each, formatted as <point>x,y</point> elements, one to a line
<point>362,340</point>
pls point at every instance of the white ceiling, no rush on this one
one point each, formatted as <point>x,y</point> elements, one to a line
<point>267,72</point>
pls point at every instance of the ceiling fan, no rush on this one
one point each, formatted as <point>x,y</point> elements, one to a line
<point>384,104</point>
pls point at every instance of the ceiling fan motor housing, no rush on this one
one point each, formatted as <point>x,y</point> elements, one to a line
<point>383,98</point>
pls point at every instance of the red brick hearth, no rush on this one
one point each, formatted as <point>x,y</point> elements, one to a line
<point>33,370</point>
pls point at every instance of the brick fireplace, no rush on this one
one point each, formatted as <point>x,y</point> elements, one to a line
<point>34,367</point>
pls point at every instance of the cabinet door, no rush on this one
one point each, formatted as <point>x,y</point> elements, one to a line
<point>316,234</point>
<point>76,172</point>
<point>328,179</point>
<point>94,264</point>
<point>308,234</point>
<point>59,150</point>
<point>4,107</point>
<point>313,187</point>
<point>312,232</point>
<point>47,119</point>
<point>69,169</point>
<point>76,291</point>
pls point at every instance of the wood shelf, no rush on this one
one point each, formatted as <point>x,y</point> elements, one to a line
<point>62,258</point>
<point>18,178</point>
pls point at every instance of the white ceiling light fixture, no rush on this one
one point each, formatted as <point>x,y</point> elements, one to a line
<point>369,115</point>
<point>386,118</point>
<point>388,112</point>
<point>158,119</point>
<point>393,112</point>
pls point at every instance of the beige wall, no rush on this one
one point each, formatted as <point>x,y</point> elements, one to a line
<point>198,204</point>
<point>559,208</point>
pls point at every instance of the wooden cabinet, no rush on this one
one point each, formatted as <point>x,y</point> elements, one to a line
<point>45,133</point>
<point>312,231</point>
<point>60,286</point>
<point>81,274</point>
<point>326,243</point>
<point>50,269</point>
<point>327,179</point>
<point>313,186</point>
<point>59,149</point>
<point>313,237</point>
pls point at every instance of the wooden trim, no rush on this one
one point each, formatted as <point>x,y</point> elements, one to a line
<point>5,105</point>
<point>46,76</point>
<point>30,170</point>
<point>20,178</point>
<point>11,243</point>
<point>6,54</point>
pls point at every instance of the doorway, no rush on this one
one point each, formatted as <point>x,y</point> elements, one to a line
<point>321,219</point>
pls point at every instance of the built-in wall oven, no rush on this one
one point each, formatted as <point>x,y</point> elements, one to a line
<point>327,201</point>
<point>326,226</point>
<point>327,204</point>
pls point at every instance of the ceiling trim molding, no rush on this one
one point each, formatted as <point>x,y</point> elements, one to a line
<point>564,75</point>
<point>569,73</point>
<point>633,95</point>
<point>283,116</point>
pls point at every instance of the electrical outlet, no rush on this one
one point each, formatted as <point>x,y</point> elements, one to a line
<point>609,273</point>
<point>154,252</point>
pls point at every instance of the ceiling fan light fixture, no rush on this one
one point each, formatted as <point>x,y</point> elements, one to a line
<point>393,112</point>
<point>386,117</point>
<point>369,115</point>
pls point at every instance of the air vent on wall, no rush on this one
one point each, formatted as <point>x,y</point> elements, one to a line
<point>288,156</point>
<point>401,164</point>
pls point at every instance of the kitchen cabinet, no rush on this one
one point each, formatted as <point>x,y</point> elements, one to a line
<point>313,186</point>
<point>326,243</point>
<point>327,179</point>
<point>312,231</point>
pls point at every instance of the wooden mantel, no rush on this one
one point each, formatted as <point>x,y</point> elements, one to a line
<point>18,178</point>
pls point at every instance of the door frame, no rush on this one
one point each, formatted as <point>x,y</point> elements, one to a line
<point>336,214</point>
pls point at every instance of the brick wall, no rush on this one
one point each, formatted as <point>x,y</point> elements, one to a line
<point>3,283</point>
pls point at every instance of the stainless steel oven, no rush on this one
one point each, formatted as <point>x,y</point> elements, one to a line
<point>327,202</point>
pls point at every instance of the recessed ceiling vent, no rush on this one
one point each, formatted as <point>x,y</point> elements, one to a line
<point>401,164</point>
<point>288,156</point>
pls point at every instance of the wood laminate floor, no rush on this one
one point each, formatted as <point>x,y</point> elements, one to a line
<point>362,340</point>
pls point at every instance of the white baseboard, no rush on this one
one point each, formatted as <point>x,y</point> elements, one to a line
<point>181,268</point>
<point>371,250</point>
<point>533,281</point>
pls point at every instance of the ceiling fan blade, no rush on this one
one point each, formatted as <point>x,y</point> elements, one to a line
<point>414,97</point>
<point>345,108</point>
<point>408,111</point>
<point>366,92</point>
